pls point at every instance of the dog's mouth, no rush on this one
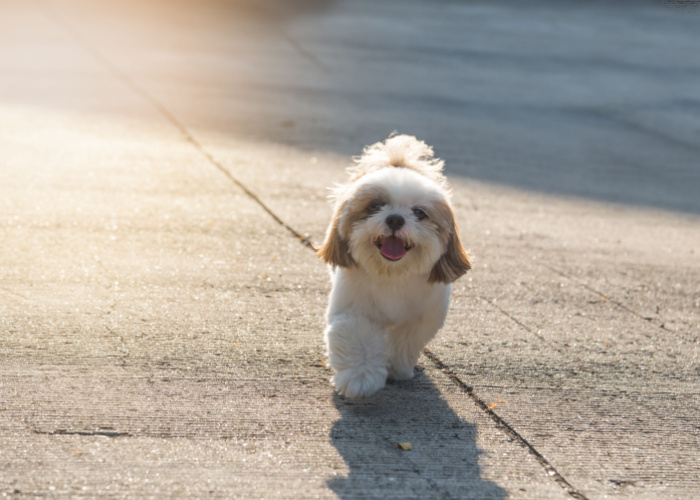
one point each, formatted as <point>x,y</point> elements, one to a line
<point>392,247</point>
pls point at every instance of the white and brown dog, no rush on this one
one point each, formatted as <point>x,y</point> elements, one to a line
<point>394,250</point>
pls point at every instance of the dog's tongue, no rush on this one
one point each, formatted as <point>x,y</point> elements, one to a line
<point>393,248</point>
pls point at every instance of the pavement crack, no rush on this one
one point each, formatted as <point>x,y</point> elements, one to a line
<point>302,51</point>
<point>122,349</point>
<point>92,49</point>
<point>124,352</point>
<point>512,318</point>
<point>12,292</point>
<point>298,47</point>
<point>98,432</point>
<point>505,426</point>
<point>654,321</point>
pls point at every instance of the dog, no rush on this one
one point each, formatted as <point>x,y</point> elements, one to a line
<point>393,249</point>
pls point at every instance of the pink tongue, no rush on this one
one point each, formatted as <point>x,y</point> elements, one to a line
<point>393,248</point>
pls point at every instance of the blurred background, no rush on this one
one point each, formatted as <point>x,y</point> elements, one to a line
<point>596,99</point>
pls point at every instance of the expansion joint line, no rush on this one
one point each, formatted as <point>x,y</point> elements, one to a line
<point>468,390</point>
<point>165,112</point>
<point>505,426</point>
<point>511,317</point>
<point>657,323</point>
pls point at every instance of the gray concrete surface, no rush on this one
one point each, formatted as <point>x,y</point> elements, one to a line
<point>160,331</point>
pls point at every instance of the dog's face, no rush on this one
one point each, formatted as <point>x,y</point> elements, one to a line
<point>393,222</point>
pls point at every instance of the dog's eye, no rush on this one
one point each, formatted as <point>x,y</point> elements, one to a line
<point>420,213</point>
<point>375,207</point>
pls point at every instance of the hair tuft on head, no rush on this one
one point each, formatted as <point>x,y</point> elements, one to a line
<point>399,151</point>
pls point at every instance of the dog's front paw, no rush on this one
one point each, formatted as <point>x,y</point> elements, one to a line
<point>359,382</point>
<point>401,373</point>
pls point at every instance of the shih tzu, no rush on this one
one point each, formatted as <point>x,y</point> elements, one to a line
<point>394,249</point>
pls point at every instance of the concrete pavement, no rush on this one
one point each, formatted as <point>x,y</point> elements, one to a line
<point>161,330</point>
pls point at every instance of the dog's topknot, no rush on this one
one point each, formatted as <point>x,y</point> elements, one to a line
<point>401,151</point>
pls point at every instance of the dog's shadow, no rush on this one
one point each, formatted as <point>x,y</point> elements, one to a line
<point>443,462</point>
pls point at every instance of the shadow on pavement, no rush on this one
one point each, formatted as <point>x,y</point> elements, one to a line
<point>444,461</point>
<point>595,100</point>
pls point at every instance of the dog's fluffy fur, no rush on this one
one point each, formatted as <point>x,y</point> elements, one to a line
<point>394,250</point>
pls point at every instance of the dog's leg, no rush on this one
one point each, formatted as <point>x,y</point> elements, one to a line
<point>406,341</point>
<point>357,353</point>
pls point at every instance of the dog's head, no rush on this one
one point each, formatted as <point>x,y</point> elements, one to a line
<point>394,218</point>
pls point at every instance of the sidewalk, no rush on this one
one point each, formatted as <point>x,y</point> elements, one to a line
<point>161,331</point>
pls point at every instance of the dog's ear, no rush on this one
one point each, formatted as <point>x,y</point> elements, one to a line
<point>453,264</point>
<point>455,261</point>
<point>334,250</point>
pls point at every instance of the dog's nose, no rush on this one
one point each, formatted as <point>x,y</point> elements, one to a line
<point>395,222</point>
